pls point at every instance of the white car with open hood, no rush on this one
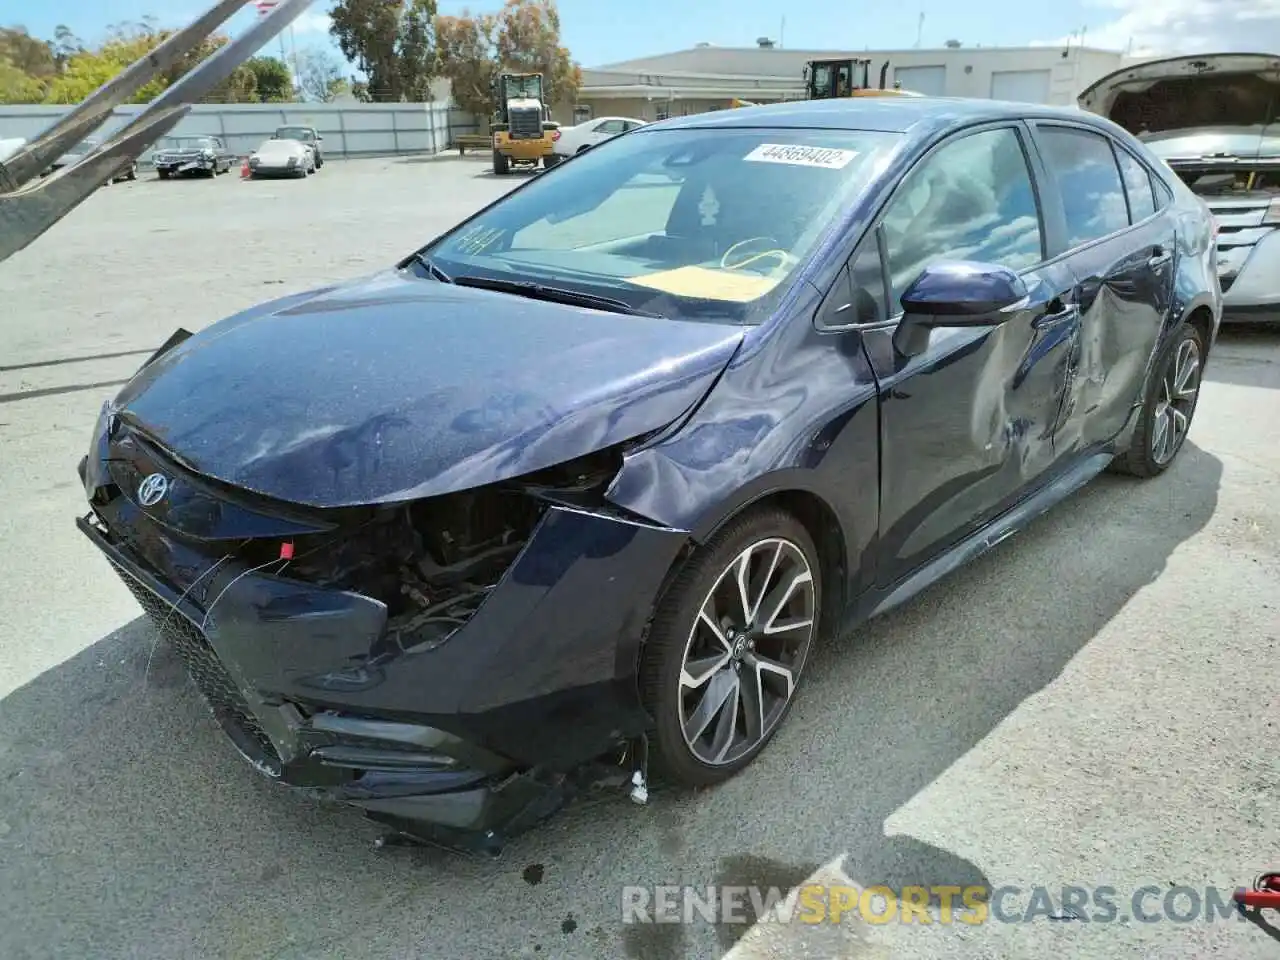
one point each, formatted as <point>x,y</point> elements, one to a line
<point>282,158</point>
<point>1212,118</point>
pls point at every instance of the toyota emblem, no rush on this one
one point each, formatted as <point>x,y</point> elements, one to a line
<point>152,490</point>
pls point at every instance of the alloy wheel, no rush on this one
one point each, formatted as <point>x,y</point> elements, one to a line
<point>1177,401</point>
<point>745,651</point>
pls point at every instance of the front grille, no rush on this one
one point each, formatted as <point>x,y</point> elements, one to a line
<point>211,678</point>
<point>526,123</point>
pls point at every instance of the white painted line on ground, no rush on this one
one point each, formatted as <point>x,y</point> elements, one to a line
<point>769,939</point>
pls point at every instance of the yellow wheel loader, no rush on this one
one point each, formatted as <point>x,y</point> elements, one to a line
<point>522,129</point>
<point>836,79</point>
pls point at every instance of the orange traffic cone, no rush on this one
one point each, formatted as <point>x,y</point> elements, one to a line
<point>244,169</point>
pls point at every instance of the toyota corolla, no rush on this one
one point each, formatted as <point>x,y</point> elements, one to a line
<point>569,495</point>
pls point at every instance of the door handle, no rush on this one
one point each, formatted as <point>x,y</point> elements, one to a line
<point>1159,257</point>
<point>1058,309</point>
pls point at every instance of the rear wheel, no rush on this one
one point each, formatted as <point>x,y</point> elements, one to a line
<point>724,655</point>
<point>501,164</point>
<point>1168,407</point>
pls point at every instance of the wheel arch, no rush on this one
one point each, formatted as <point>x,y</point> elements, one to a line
<point>1201,317</point>
<point>813,512</point>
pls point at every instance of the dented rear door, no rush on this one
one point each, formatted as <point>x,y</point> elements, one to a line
<point>1120,246</point>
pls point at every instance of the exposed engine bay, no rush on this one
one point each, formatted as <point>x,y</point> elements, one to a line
<point>1230,181</point>
<point>432,562</point>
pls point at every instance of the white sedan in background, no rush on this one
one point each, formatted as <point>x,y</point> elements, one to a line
<point>587,134</point>
<point>282,158</point>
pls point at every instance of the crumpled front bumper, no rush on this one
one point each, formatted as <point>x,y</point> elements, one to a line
<point>274,170</point>
<point>479,737</point>
<point>185,165</point>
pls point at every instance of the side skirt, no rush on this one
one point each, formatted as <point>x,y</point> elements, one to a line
<point>877,602</point>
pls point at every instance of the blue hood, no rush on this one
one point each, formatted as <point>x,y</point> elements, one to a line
<point>394,388</point>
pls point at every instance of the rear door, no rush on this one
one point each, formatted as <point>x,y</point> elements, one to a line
<point>1120,247</point>
<point>967,426</point>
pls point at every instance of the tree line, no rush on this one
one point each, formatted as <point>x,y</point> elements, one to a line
<point>399,46</point>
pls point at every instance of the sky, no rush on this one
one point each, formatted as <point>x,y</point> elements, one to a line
<point>598,32</point>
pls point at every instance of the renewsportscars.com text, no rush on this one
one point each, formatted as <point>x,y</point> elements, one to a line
<point>973,905</point>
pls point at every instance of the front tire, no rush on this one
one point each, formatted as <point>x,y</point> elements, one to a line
<point>501,164</point>
<point>1168,407</point>
<point>727,646</point>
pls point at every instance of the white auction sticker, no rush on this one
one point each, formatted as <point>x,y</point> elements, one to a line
<point>801,156</point>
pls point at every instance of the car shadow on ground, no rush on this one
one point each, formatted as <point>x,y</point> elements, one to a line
<point>129,827</point>
<point>452,156</point>
<point>516,173</point>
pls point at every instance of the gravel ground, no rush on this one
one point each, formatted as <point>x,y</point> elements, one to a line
<point>1085,705</point>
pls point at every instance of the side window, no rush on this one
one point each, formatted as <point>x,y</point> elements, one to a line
<point>1137,184</point>
<point>858,294</point>
<point>867,278</point>
<point>610,126</point>
<point>972,199</point>
<point>1162,193</point>
<point>1089,181</point>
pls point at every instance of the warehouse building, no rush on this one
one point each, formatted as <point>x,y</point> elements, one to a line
<point>709,78</point>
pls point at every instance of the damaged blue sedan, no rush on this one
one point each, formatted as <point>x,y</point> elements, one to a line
<point>568,496</point>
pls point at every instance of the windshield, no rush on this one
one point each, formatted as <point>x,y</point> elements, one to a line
<point>697,224</point>
<point>190,143</point>
<point>515,88</point>
<point>294,133</point>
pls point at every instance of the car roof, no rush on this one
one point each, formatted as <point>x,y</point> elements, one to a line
<point>887,114</point>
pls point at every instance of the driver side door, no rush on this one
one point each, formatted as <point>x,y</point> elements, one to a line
<point>969,416</point>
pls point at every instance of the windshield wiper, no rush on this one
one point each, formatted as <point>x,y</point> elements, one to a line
<point>431,267</point>
<point>539,291</point>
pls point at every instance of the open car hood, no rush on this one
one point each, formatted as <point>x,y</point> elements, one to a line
<point>394,388</point>
<point>1219,104</point>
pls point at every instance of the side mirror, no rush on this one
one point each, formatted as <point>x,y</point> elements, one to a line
<point>956,293</point>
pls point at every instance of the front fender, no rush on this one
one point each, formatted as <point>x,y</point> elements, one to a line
<point>795,412</point>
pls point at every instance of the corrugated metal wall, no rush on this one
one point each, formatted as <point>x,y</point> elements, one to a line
<point>349,129</point>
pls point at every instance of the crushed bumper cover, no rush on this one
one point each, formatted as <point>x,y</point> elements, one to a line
<point>465,744</point>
